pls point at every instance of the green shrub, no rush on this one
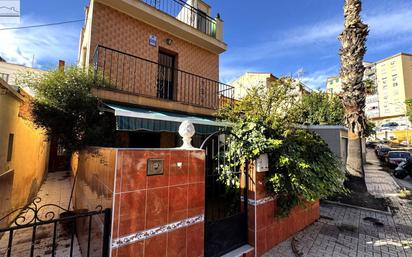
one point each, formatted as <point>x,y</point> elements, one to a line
<point>302,168</point>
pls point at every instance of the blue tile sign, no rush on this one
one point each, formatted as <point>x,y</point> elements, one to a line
<point>9,11</point>
<point>152,40</point>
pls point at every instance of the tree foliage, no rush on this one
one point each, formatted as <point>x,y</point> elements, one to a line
<point>319,108</point>
<point>408,104</point>
<point>64,106</point>
<point>302,167</point>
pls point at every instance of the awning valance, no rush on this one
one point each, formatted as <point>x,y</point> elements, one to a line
<point>133,119</point>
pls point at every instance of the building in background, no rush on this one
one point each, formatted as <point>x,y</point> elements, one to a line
<point>24,149</point>
<point>372,95</point>
<point>394,81</point>
<point>255,79</point>
<point>392,78</point>
<point>334,85</point>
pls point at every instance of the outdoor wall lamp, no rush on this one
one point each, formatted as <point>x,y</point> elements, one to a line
<point>169,41</point>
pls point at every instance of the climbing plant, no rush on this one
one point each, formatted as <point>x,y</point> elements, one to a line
<point>302,168</point>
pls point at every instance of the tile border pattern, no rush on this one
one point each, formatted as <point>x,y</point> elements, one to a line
<point>259,201</point>
<point>129,239</point>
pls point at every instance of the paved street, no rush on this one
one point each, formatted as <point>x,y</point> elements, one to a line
<point>56,189</point>
<point>344,231</point>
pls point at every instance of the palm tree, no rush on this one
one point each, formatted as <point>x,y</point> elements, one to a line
<point>352,51</point>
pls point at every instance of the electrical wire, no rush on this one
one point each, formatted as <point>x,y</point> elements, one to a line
<point>42,25</point>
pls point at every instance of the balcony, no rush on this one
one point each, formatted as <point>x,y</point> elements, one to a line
<point>133,75</point>
<point>189,21</point>
<point>186,13</point>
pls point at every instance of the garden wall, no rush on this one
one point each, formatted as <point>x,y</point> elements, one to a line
<point>152,214</point>
<point>265,229</point>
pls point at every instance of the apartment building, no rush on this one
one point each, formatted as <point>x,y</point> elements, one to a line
<point>162,61</point>
<point>334,85</point>
<point>392,78</point>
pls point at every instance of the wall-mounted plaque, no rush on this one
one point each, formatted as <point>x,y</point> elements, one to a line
<point>154,167</point>
<point>152,40</point>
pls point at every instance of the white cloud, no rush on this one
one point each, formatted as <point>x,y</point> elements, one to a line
<point>389,28</point>
<point>46,44</point>
<point>317,79</point>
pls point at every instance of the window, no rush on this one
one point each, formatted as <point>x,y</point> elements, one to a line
<point>166,76</point>
<point>10,147</point>
<point>4,76</point>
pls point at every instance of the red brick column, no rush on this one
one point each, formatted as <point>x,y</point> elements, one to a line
<point>265,229</point>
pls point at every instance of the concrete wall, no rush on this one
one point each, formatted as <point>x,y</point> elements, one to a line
<point>95,169</point>
<point>25,171</point>
<point>335,137</point>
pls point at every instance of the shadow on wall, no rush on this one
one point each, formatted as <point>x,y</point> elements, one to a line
<point>6,185</point>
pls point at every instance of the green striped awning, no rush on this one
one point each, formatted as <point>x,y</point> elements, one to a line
<point>133,119</point>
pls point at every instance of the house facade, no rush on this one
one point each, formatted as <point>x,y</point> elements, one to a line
<point>161,59</point>
<point>24,149</point>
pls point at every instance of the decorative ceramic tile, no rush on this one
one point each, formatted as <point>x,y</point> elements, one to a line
<point>118,242</point>
<point>258,202</point>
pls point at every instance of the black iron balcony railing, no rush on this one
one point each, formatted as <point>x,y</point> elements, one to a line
<point>135,75</point>
<point>186,13</point>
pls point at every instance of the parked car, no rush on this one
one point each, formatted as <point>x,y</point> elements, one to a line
<point>382,151</point>
<point>371,144</point>
<point>394,158</point>
<point>404,169</point>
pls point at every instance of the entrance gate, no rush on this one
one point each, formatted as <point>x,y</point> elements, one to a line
<point>36,230</point>
<point>225,217</point>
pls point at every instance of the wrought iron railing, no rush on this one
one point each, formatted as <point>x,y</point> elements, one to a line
<point>50,230</point>
<point>186,13</point>
<point>135,75</point>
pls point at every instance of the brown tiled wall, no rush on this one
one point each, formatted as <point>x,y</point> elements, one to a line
<point>265,229</point>
<point>144,202</point>
<point>94,187</point>
<point>117,30</point>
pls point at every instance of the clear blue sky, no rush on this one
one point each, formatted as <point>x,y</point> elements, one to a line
<point>272,36</point>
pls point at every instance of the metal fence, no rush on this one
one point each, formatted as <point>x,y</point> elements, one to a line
<point>36,231</point>
<point>135,75</point>
<point>186,13</point>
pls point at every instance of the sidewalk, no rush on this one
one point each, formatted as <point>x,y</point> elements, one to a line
<point>56,190</point>
<point>344,231</point>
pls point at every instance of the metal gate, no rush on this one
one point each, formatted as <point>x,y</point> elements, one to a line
<point>225,217</point>
<point>36,231</point>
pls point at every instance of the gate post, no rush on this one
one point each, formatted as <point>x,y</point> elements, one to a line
<point>107,232</point>
<point>265,229</point>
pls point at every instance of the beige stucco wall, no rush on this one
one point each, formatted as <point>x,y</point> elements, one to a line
<point>29,155</point>
<point>334,85</point>
<point>407,75</point>
<point>391,86</point>
<point>249,80</point>
<point>14,70</point>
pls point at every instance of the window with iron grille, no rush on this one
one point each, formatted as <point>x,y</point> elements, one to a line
<point>4,76</point>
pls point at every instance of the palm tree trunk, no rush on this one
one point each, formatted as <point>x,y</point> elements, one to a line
<point>353,49</point>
